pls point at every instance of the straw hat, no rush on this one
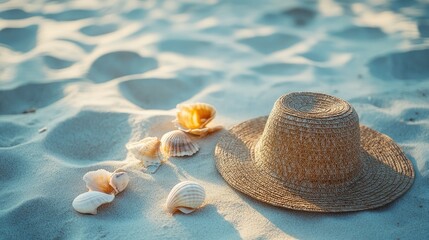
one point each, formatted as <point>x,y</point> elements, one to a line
<point>311,154</point>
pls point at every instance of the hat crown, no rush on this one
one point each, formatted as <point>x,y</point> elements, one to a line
<point>311,140</point>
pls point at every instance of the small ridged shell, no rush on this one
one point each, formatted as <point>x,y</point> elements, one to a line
<point>193,118</point>
<point>119,180</point>
<point>99,181</point>
<point>177,144</point>
<point>147,151</point>
<point>89,202</point>
<point>185,197</point>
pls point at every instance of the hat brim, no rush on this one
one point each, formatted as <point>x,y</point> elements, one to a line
<point>386,173</point>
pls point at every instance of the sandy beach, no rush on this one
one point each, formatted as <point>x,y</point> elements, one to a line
<point>81,79</point>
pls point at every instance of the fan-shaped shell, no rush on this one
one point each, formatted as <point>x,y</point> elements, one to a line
<point>193,118</point>
<point>89,202</point>
<point>185,197</point>
<point>119,180</point>
<point>177,144</point>
<point>99,181</point>
<point>147,151</point>
<point>194,115</point>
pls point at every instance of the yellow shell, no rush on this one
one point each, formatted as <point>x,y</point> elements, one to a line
<point>185,197</point>
<point>177,144</point>
<point>193,118</point>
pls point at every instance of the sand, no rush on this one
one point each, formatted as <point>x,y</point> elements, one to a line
<point>81,79</point>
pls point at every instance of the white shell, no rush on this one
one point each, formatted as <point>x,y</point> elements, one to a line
<point>119,180</point>
<point>147,151</point>
<point>89,202</point>
<point>177,144</point>
<point>185,197</point>
<point>99,181</point>
<point>193,118</point>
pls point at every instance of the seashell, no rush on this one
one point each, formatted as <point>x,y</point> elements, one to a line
<point>193,118</point>
<point>99,181</point>
<point>105,181</point>
<point>119,180</point>
<point>185,197</point>
<point>195,115</point>
<point>89,202</point>
<point>147,151</point>
<point>177,144</point>
<point>202,131</point>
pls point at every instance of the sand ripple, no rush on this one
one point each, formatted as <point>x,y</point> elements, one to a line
<point>154,93</point>
<point>271,43</point>
<point>19,39</point>
<point>72,15</point>
<point>30,96</point>
<point>90,137</point>
<point>298,16</point>
<point>15,14</point>
<point>13,134</point>
<point>117,64</point>
<point>401,65</point>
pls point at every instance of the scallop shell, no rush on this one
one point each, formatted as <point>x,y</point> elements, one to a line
<point>99,181</point>
<point>119,180</point>
<point>177,144</point>
<point>193,118</point>
<point>186,197</point>
<point>147,151</point>
<point>89,202</point>
<point>105,181</point>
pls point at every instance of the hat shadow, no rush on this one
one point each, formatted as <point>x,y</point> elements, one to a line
<point>318,225</point>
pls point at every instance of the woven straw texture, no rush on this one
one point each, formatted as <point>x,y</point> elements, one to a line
<point>311,154</point>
